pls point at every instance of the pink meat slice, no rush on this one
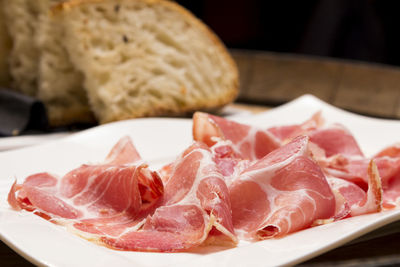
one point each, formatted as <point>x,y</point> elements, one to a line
<point>227,160</point>
<point>149,182</point>
<point>354,169</point>
<point>390,170</point>
<point>247,141</point>
<point>392,151</point>
<point>283,192</point>
<point>93,198</point>
<point>352,200</point>
<point>336,140</point>
<point>196,200</point>
<point>287,132</point>
<point>123,152</point>
<point>391,194</point>
<point>39,193</point>
<point>90,191</point>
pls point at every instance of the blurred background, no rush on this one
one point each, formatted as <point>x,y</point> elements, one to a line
<point>345,52</point>
<point>365,30</point>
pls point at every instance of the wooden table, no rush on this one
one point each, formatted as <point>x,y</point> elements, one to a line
<point>269,79</point>
<point>273,79</point>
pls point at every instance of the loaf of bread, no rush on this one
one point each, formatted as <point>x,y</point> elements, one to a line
<point>145,58</point>
<point>60,85</point>
<point>114,59</point>
<point>5,46</point>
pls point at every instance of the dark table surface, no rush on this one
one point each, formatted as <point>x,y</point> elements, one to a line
<point>269,79</point>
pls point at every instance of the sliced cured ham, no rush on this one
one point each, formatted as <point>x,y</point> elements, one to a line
<point>234,182</point>
<point>123,152</point>
<point>352,200</point>
<point>333,139</point>
<point>227,160</point>
<point>287,132</point>
<point>336,140</point>
<point>149,182</point>
<point>92,193</point>
<point>93,198</point>
<point>354,169</point>
<point>391,194</point>
<point>390,151</point>
<point>283,192</point>
<point>195,201</point>
<point>390,170</point>
<point>248,142</point>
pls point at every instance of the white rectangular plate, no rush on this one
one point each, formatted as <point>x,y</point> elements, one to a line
<point>160,141</point>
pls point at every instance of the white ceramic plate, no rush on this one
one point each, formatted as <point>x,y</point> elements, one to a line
<point>159,141</point>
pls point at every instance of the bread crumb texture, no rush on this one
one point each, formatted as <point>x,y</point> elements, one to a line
<point>60,84</point>
<point>20,17</point>
<point>146,58</point>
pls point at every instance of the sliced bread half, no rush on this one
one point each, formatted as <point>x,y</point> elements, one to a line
<point>146,58</point>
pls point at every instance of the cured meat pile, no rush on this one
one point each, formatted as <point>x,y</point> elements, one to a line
<point>234,182</point>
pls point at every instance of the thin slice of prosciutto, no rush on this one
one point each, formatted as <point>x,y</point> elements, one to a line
<point>286,133</point>
<point>283,192</point>
<point>390,169</point>
<point>196,200</point>
<point>98,198</point>
<point>248,142</point>
<point>336,140</point>
<point>352,200</point>
<point>354,169</point>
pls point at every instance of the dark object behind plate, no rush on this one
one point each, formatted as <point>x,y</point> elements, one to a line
<point>19,113</point>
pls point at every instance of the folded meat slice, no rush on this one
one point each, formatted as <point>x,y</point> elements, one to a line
<point>352,169</point>
<point>281,193</point>
<point>101,197</point>
<point>228,161</point>
<point>287,132</point>
<point>391,194</point>
<point>352,200</point>
<point>392,151</point>
<point>390,170</point>
<point>123,152</point>
<point>196,200</point>
<point>39,193</point>
<point>336,140</point>
<point>247,141</point>
<point>342,156</point>
<point>355,169</point>
<point>88,191</point>
<point>92,198</point>
<point>333,139</point>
